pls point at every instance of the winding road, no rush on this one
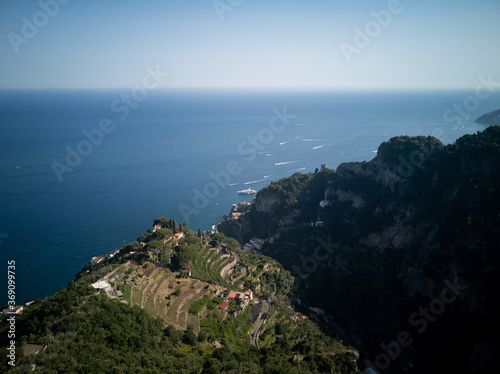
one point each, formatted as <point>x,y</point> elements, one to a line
<point>260,322</point>
<point>265,304</point>
<point>225,269</point>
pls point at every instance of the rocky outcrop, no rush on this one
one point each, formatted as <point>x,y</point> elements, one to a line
<point>266,203</point>
<point>397,236</point>
<point>491,118</point>
<point>376,170</point>
<point>333,193</point>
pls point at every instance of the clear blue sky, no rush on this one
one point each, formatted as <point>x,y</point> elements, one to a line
<point>260,43</point>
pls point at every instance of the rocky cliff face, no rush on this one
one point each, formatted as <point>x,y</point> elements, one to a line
<point>377,170</point>
<point>408,243</point>
<point>266,203</point>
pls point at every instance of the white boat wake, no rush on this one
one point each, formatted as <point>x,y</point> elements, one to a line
<point>285,163</point>
<point>320,146</point>
<point>289,141</point>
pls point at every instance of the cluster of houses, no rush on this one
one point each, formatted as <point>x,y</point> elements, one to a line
<point>236,210</point>
<point>98,259</point>
<point>241,297</point>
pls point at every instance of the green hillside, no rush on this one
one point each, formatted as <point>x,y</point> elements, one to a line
<point>154,317</point>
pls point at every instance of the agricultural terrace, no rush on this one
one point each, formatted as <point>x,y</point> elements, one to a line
<point>160,292</point>
<point>207,264</point>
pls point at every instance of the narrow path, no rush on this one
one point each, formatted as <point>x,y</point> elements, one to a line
<point>237,279</point>
<point>144,298</point>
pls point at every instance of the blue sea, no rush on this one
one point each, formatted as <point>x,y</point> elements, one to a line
<point>84,171</point>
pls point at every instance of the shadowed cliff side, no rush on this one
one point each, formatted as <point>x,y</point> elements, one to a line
<point>405,243</point>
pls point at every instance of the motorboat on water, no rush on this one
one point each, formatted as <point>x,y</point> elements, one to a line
<point>248,191</point>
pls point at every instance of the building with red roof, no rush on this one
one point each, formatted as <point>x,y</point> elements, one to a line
<point>232,295</point>
<point>222,307</point>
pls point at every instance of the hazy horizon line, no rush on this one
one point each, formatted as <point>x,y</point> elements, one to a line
<point>247,88</point>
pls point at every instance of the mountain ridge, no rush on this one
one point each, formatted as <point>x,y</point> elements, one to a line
<point>397,230</point>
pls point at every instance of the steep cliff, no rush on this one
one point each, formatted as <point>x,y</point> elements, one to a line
<point>400,252</point>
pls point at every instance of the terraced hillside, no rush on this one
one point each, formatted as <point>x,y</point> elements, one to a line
<point>193,287</point>
<point>208,264</point>
<point>178,277</point>
<point>159,292</point>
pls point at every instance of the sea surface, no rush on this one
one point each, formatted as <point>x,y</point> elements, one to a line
<point>184,153</point>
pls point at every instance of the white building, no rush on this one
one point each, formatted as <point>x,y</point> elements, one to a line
<point>101,285</point>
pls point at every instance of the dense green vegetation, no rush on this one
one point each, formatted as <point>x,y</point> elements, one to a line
<point>197,306</point>
<point>297,193</point>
